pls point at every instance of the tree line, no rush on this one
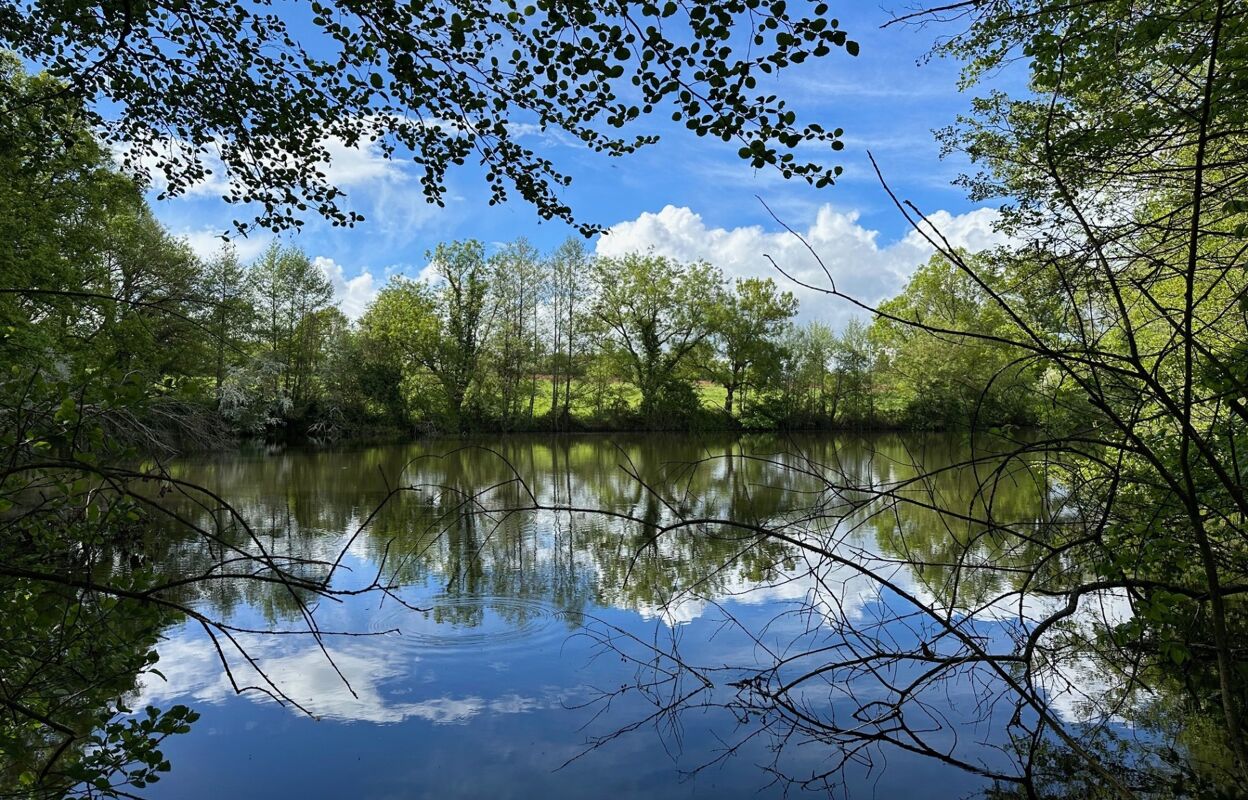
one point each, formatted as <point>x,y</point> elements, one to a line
<point>512,340</point>
<point>521,340</point>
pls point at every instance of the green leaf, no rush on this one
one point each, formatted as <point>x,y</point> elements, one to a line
<point>66,410</point>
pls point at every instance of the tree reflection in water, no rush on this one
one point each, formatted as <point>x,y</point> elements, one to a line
<point>921,594</point>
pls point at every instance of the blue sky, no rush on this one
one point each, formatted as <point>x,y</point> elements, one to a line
<point>686,197</point>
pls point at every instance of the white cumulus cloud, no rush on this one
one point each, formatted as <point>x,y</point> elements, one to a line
<point>362,164</point>
<point>207,243</point>
<point>192,670</point>
<point>861,266</point>
<point>359,165</point>
<point>351,294</point>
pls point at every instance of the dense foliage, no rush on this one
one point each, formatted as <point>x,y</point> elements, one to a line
<point>1122,172</point>
<point>497,342</point>
<point>108,369</point>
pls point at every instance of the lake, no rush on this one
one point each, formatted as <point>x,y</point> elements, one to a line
<point>578,653</point>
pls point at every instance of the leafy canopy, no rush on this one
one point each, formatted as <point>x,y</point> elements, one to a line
<point>263,84</point>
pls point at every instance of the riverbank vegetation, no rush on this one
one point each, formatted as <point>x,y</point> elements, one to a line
<point>509,340</point>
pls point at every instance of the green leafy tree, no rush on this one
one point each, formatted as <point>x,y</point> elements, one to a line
<point>941,379</point>
<point>519,284</point>
<point>654,312</point>
<point>152,324</point>
<point>854,376</point>
<point>377,368</point>
<point>229,315</point>
<point>1121,169</point>
<point>572,286</point>
<point>55,200</point>
<point>289,292</point>
<point>441,330</point>
<point>809,387</point>
<point>403,327</point>
<point>465,317</point>
<point>749,324</point>
<point>89,276</point>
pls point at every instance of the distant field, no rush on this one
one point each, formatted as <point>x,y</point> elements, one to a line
<point>712,396</point>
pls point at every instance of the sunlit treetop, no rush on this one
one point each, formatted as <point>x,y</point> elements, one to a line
<point>263,85</point>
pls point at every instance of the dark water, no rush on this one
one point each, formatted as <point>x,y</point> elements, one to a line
<point>547,656</point>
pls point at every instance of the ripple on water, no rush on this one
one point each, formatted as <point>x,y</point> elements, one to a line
<point>457,623</point>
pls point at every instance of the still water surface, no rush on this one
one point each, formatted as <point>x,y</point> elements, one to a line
<point>528,666</point>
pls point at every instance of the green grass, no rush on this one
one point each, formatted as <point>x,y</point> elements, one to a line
<point>711,395</point>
